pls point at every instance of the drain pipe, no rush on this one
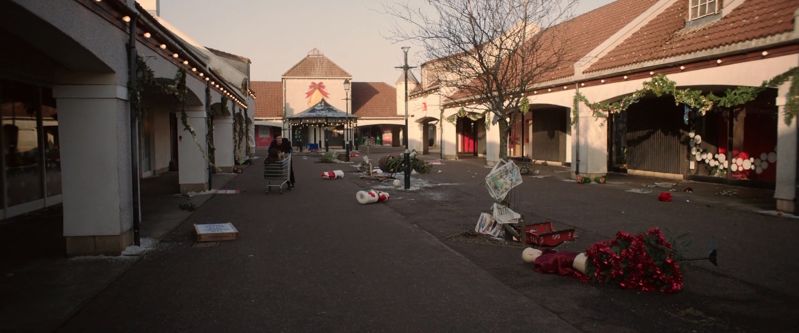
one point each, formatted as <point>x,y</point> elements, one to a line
<point>134,130</point>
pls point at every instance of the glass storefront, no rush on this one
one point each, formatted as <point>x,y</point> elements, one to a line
<point>29,140</point>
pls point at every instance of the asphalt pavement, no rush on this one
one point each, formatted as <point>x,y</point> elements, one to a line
<point>313,259</point>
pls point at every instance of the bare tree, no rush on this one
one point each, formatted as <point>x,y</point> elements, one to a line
<point>486,54</point>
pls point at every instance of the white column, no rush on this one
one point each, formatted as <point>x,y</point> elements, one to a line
<point>415,136</point>
<point>591,144</point>
<point>570,128</point>
<point>785,189</point>
<point>192,151</point>
<point>224,144</point>
<point>96,171</point>
<point>492,142</point>
<point>449,149</point>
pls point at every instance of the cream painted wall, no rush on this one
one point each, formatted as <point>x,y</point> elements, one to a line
<point>223,142</point>
<point>192,168</point>
<point>94,127</point>
<point>161,139</point>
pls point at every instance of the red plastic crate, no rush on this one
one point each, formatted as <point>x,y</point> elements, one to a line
<point>541,234</point>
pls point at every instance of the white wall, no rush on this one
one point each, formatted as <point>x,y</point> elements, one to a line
<point>94,126</point>
<point>161,139</point>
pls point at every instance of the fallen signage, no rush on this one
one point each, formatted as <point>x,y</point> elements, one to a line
<point>216,232</point>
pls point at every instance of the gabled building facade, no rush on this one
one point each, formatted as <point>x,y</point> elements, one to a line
<point>698,46</point>
<point>316,78</point>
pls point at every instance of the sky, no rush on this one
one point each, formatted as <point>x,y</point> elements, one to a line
<point>276,34</point>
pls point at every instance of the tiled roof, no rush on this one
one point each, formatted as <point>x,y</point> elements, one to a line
<point>585,32</point>
<point>269,98</point>
<point>577,37</point>
<point>374,99</point>
<point>316,65</point>
<point>665,36</point>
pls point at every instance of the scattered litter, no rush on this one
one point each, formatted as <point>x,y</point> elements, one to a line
<point>439,171</point>
<point>216,232</point>
<point>146,244</point>
<point>371,196</point>
<point>665,185</point>
<point>541,176</point>
<point>542,234</point>
<point>227,191</point>
<point>436,162</point>
<point>488,226</point>
<point>688,190</point>
<point>187,206</point>
<point>192,194</point>
<point>664,197</point>
<point>777,213</point>
<point>504,176</point>
<point>305,157</point>
<point>728,193</point>
<point>397,183</point>
<point>568,180</point>
<point>332,174</point>
<point>504,215</point>
<point>639,191</point>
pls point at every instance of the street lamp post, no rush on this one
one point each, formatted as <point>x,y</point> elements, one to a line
<point>407,157</point>
<point>347,84</point>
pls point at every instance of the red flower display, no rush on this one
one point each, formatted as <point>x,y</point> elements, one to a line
<point>644,262</point>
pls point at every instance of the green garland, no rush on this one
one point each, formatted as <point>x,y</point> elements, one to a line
<point>660,85</point>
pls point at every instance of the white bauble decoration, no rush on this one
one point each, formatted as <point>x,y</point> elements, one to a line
<point>704,156</point>
<point>772,157</point>
<point>763,156</point>
<point>691,134</point>
<point>693,151</point>
<point>530,254</point>
<point>722,157</point>
<point>751,160</point>
<point>758,170</point>
<point>698,157</point>
<point>764,165</point>
<point>747,165</point>
<point>726,164</point>
<point>734,168</point>
<point>698,139</point>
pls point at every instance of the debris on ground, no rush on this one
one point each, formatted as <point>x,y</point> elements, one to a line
<point>639,191</point>
<point>728,193</point>
<point>371,196</point>
<point>665,184</point>
<point>665,197</point>
<point>215,232</point>
<point>332,174</point>
<point>542,234</point>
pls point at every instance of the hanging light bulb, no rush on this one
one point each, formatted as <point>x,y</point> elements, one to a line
<point>147,35</point>
<point>162,46</point>
<point>126,19</point>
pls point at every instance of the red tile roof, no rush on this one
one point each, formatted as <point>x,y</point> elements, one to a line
<point>269,98</point>
<point>316,65</point>
<point>665,36</point>
<point>374,99</point>
<point>574,38</point>
<point>584,33</point>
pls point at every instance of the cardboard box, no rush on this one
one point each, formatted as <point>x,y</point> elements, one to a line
<point>216,232</point>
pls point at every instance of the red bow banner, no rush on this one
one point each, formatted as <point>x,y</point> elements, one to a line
<point>314,87</point>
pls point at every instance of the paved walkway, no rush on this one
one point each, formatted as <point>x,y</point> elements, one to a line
<point>314,259</point>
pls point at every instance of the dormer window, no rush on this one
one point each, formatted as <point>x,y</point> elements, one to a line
<point>701,8</point>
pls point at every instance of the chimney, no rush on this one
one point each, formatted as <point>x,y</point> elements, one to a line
<point>151,6</point>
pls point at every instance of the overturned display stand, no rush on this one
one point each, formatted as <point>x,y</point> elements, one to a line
<point>216,232</point>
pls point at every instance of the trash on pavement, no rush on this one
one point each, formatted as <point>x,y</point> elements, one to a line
<point>542,234</point>
<point>216,232</point>
<point>488,226</point>
<point>371,196</point>
<point>504,176</point>
<point>504,215</point>
<point>664,196</point>
<point>332,174</point>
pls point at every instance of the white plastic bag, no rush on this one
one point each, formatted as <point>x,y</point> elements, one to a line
<point>502,178</point>
<point>504,215</point>
<point>488,226</point>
